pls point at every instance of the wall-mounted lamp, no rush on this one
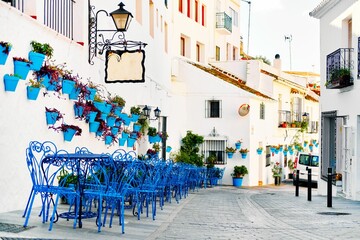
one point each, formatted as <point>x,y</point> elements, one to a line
<point>305,117</point>
<point>147,111</point>
<point>122,19</point>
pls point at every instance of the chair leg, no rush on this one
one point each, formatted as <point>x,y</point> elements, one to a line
<point>29,210</point>
<point>28,201</point>
<point>99,214</point>
<point>54,211</point>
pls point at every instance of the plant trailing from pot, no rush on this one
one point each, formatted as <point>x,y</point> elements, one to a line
<point>52,115</point>
<point>5,48</point>
<point>49,74</point>
<point>144,122</point>
<point>68,130</point>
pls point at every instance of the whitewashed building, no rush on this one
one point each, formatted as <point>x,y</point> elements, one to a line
<point>339,52</point>
<point>193,73</point>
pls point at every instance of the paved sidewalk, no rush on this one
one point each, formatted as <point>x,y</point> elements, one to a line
<point>222,212</point>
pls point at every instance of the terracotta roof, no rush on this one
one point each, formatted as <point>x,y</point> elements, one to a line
<point>230,78</point>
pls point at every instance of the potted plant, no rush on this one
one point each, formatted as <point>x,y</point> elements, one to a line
<point>135,113</point>
<point>238,173</point>
<point>276,171</point>
<point>230,151</point>
<point>144,123</point>
<point>69,131</point>
<point>238,144</point>
<point>52,115</point>
<point>244,152</point>
<point>33,89</point>
<point>5,48</point>
<point>152,133</point>
<point>38,54</point>
<point>291,167</point>
<point>339,77</point>
<point>21,67</point>
<point>10,82</point>
<point>259,150</point>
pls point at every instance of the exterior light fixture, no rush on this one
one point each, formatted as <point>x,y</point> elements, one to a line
<point>146,111</point>
<point>122,18</point>
<point>101,39</point>
<point>305,117</point>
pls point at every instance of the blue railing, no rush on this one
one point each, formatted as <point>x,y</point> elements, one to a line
<point>223,21</point>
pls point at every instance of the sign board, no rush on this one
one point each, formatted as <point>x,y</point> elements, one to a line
<point>125,66</point>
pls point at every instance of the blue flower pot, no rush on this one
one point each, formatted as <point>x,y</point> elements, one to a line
<point>103,116</point>
<point>10,82</point>
<point>78,110</point>
<point>135,117</point>
<point>130,142</point>
<point>107,108</point>
<point>90,95</point>
<point>108,140</point>
<point>100,106</point>
<point>114,130</point>
<point>67,86</point>
<point>237,182</point>
<point>168,149</point>
<point>3,56</point>
<point>110,121</point>
<point>21,69</point>
<point>133,135</point>
<point>69,134</point>
<point>93,127</point>
<point>237,145</point>
<point>51,117</point>
<point>311,148</point>
<point>126,120</point>
<point>118,110</point>
<point>136,127</point>
<point>152,139</point>
<point>32,92</point>
<point>50,85</point>
<point>259,151</point>
<point>122,141</point>
<point>243,155</point>
<point>74,94</point>
<point>124,135</point>
<point>91,116</point>
<point>37,60</point>
<point>230,154</point>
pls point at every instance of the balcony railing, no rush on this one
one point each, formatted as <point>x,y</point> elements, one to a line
<point>223,21</point>
<point>338,69</point>
<point>284,118</point>
<point>19,4</point>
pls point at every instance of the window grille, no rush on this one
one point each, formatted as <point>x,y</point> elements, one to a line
<point>214,147</point>
<point>262,111</point>
<point>213,109</point>
<point>59,15</point>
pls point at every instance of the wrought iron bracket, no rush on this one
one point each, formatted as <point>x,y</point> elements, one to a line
<point>102,40</point>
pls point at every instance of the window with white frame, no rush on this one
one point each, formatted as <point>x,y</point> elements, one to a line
<point>214,147</point>
<point>213,109</point>
<point>234,17</point>
<point>296,109</point>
